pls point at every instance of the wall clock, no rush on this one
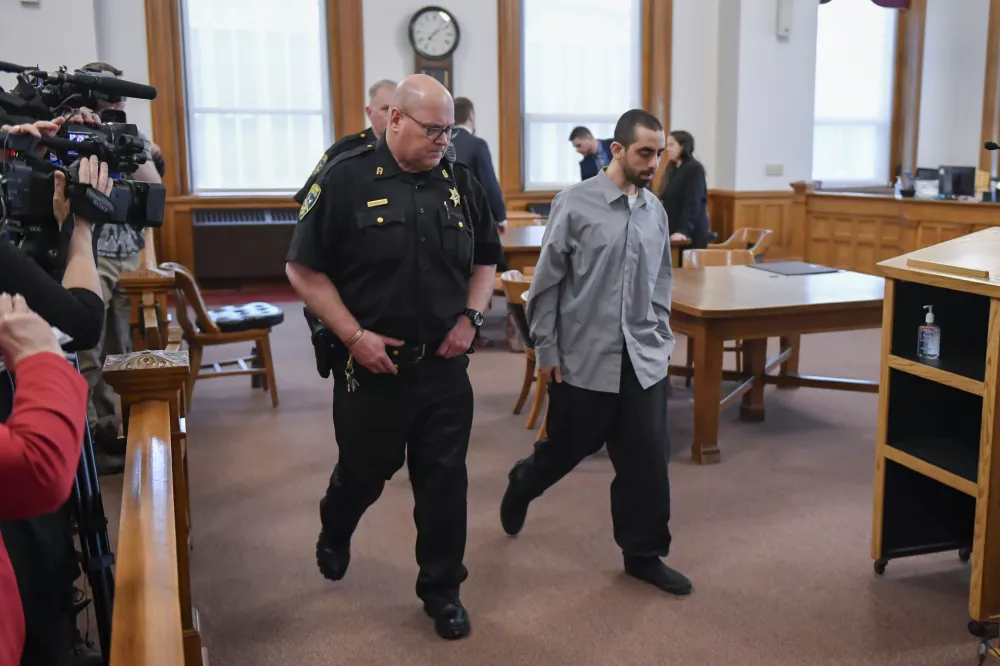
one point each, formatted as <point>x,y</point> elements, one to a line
<point>434,36</point>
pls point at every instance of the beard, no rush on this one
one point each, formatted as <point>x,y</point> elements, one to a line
<point>641,179</point>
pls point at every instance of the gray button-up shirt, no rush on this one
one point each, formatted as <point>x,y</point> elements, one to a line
<point>603,283</point>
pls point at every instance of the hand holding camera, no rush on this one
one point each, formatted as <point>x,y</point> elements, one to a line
<point>92,173</point>
<point>22,332</point>
<point>38,129</point>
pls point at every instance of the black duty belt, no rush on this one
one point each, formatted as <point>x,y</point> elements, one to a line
<point>411,353</point>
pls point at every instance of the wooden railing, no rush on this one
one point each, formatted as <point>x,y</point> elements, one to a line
<point>147,288</point>
<point>154,621</point>
<point>146,626</point>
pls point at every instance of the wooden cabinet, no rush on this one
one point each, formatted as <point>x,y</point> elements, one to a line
<point>937,459</point>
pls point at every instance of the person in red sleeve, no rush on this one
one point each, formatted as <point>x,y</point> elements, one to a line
<point>40,444</point>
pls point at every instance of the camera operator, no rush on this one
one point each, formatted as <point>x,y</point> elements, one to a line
<point>39,443</point>
<point>119,247</point>
<point>41,548</point>
<point>75,307</point>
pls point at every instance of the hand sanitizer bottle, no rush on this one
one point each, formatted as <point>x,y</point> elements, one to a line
<point>929,336</point>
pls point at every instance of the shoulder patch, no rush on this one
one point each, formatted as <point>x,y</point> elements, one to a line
<point>310,200</point>
<point>320,164</point>
<point>354,152</point>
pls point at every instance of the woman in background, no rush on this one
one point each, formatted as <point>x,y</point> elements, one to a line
<point>685,191</point>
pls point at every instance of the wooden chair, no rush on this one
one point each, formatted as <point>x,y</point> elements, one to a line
<point>756,240</point>
<point>716,257</point>
<point>212,328</point>
<point>515,284</point>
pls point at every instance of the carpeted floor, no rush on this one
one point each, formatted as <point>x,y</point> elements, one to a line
<point>775,538</point>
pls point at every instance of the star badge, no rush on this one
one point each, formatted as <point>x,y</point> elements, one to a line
<point>455,198</point>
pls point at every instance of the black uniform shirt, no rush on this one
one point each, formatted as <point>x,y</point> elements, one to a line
<point>396,245</point>
<point>344,144</point>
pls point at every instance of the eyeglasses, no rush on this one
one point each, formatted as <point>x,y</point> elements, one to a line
<point>433,133</point>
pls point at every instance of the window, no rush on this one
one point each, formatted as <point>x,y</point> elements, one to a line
<point>852,127</point>
<point>581,66</point>
<point>257,92</point>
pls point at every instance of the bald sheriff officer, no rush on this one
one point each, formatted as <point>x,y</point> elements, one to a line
<point>396,253</point>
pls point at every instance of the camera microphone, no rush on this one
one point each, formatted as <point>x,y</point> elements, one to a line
<point>991,145</point>
<point>104,84</point>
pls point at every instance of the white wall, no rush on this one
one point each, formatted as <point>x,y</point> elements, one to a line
<point>121,41</point>
<point>777,80</point>
<point>744,93</point>
<point>75,32</point>
<point>388,55</point>
<point>48,34</point>
<point>951,94</point>
<point>694,77</point>
<point>727,94</point>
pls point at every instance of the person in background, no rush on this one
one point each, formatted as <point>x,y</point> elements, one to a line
<point>474,152</point>
<point>599,314</point>
<point>379,98</point>
<point>596,153</point>
<point>119,247</point>
<point>40,445</point>
<point>684,192</point>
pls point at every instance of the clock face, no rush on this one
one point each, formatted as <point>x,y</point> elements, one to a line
<point>434,33</point>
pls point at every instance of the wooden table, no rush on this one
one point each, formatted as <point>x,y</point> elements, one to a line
<point>522,218</point>
<point>715,304</point>
<point>522,245</point>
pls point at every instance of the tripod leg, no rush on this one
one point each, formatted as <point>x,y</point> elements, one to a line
<point>95,543</point>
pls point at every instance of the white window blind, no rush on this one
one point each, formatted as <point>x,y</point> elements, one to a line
<point>582,66</point>
<point>257,91</point>
<point>855,48</point>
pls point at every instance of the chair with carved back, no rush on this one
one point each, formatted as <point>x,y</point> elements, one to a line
<point>747,238</point>
<point>714,256</point>
<point>223,326</point>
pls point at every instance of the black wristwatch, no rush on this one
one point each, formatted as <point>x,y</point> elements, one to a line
<point>475,316</point>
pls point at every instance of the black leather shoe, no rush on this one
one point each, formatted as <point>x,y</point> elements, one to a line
<point>451,620</point>
<point>514,505</point>
<point>653,571</point>
<point>332,558</point>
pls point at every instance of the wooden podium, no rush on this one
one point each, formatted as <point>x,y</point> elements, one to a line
<point>937,458</point>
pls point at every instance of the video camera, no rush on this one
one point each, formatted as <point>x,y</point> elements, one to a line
<point>26,180</point>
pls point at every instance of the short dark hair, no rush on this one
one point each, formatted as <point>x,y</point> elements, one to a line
<point>463,109</point>
<point>579,132</point>
<point>630,120</point>
<point>102,67</point>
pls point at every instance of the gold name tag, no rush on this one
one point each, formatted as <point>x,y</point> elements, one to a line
<point>377,202</point>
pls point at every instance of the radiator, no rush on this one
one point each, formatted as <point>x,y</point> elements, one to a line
<point>242,244</point>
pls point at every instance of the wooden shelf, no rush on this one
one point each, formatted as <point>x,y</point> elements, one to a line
<point>954,373</point>
<point>938,459</point>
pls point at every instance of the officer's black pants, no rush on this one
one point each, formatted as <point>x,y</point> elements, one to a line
<point>633,423</point>
<point>422,415</point>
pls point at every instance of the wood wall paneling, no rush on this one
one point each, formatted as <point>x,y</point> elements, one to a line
<point>991,92</point>
<point>166,66</point>
<point>657,27</point>
<point>855,232</point>
<point>909,66</point>
<point>729,210</point>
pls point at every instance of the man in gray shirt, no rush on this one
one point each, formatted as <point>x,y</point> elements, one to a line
<point>599,314</point>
